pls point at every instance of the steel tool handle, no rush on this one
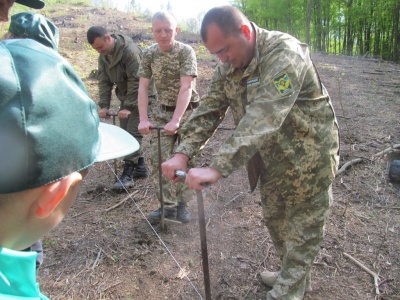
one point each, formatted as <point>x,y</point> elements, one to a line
<point>203,237</point>
<point>157,127</point>
<point>183,174</point>
<point>112,114</point>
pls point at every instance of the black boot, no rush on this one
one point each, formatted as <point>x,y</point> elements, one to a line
<point>182,213</point>
<point>156,215</point>
<point>126,178</point>
<point>140,170</point>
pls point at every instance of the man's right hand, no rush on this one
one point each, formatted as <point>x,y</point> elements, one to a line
<point>104,113</point>
<point>177,162</point>
<point>145,127</point>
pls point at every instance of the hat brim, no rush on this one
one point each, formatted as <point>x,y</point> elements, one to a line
<point>115,142</point>
<point>37,4</point>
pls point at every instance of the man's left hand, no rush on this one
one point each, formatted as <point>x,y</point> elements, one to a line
<point>171,128</point>
<point>199,178</point>
<point>124,114</point>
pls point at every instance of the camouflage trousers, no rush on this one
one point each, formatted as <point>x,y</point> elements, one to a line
<point>172,193</point>
<point>296,225</point>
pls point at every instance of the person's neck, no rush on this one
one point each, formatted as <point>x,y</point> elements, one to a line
<point>167,48</point>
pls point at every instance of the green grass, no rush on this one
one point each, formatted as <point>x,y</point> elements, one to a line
<point>203,53</point>
<point>81,2</point>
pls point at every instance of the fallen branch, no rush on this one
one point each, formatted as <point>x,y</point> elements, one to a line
<point>373,274</point>
<point>387,207</point>
<point>390,149</point>
<point>79,214</point>
<point>111,286</point>
<point>357,160</point>
<point>208,222</point>
<point>97,259</point>
<point>348,164</point>
<point>122,201</point>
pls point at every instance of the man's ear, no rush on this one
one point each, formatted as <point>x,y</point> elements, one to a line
<point>108,38</point>
<point>177,29</point>
<point>54,193</point>
<point>246,31</point>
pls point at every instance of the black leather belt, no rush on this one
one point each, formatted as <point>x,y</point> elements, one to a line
<point>191,105</point>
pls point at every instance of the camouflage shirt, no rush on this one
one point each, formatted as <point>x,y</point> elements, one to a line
<point>280,108</point>
<point>167,68</point>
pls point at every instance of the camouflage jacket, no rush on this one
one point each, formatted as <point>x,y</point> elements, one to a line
<point>120,69</point>
<point>167,68</point>
<point>280,109</point>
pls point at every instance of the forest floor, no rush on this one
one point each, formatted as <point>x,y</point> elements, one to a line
<point>106,249</point>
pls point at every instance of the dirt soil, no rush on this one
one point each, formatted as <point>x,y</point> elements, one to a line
<point>106,249</point>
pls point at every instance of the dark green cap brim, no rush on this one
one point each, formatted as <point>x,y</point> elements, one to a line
<point>37,4</point>
<point>35,26</point>
<point>49,127</point>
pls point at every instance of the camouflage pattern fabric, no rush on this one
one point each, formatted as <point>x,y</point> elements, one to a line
<point>283,112</point>
<point>172,193</point>
<point>167,68</point>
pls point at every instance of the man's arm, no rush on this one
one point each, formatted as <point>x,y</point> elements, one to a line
<point>131,61</point>
<point>196,179</point>
<point>143,104</point>
<point>185,93</point>
<point>105,86</point>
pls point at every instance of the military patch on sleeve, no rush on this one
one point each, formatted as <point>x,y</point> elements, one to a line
<point>282,84</point>
<point>253,81</point>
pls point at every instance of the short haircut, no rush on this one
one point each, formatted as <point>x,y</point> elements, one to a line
<point>228,18</point>
<point>95,32</point>
<point>165,15</point>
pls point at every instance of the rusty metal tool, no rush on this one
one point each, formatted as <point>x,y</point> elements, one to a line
<point>162,218</point>
<point>113,115</point>
<point>203,237</point>
<point>159,128</point>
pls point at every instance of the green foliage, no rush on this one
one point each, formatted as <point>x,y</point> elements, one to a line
<point>47,243</point>
<point>203,53</point>
<point>351,27</point>
<point>75,2</point>
<point>191,263</point>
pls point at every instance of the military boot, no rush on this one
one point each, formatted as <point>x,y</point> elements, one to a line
<point>126,179</point>
<point>168,213</point>
<point>269,279</point>
<point>140,169</point>
<point>182,213</point>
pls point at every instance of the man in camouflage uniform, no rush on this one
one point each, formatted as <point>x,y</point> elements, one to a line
<point>118,66</point>
<point>173,67</point>
<point>286,131</point>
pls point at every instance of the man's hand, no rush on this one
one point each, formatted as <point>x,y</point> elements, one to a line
<point>178,162</point>
<point>144,127</point>
<point>171,128</point>
<point>104,113</point>
<point>124,114</point>
<point>199,178</point>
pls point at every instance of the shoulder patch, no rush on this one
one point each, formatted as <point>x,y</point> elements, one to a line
<point>253,81</point>
<point>282,84</point>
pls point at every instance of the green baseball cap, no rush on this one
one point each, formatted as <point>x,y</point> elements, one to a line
<point>37,4</point>
<point>36,27</point>
<point>49,127</point>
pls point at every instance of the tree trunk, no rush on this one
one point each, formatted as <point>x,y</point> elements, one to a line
<point>396,33</point>
<point>308,21</point>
